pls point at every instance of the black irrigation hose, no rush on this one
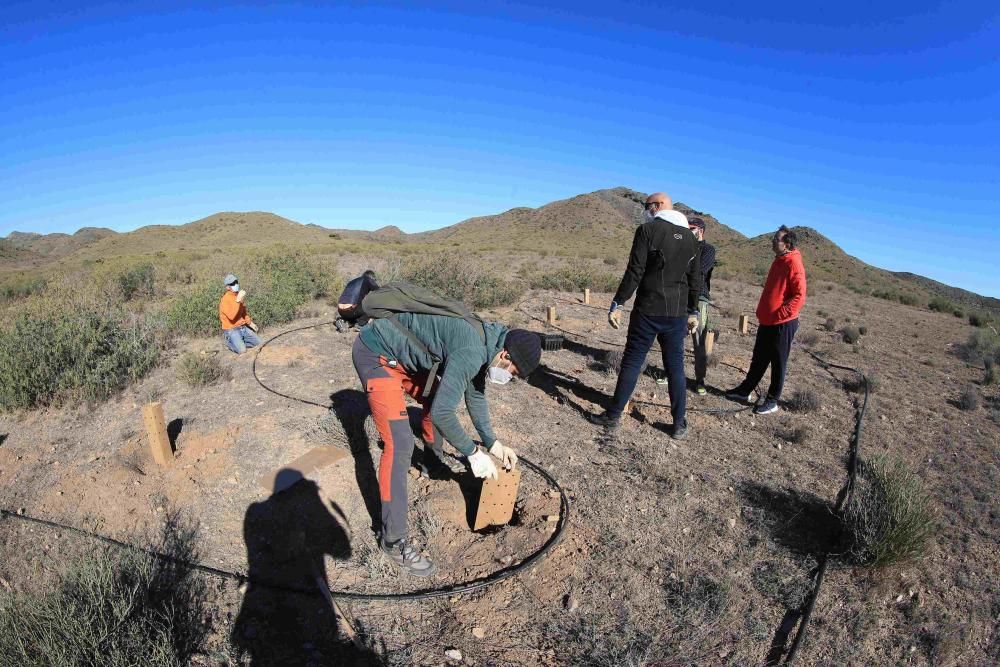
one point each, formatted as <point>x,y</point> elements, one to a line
<point>843,498</point>
<point>422,594</point>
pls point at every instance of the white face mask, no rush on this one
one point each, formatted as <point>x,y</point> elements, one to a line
<point>648,215</point>
<point>497,375</point>
<point>235,287</point>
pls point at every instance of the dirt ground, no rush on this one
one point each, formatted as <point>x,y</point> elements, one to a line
<point>692,550</point>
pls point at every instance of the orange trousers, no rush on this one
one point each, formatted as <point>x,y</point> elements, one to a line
<point>385,385</point>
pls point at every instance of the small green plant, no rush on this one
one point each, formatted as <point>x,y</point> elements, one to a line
<point>798,435</point>
<point>990,376</point>
<point>856,383</point>
<point>830,324</point>
<point>851,335</point>
<point>863,330</point>
<point>805,400</point>
<point>969,399</point>
<point>889,518</point>
<point>198,370</point>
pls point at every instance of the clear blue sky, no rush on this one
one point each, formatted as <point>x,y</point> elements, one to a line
<point>877,123</point>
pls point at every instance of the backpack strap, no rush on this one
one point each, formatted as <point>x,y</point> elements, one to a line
<point>432,373</point>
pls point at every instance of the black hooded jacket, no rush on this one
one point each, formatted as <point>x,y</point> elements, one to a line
<point>664,270</point>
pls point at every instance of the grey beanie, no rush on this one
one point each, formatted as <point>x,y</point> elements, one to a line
<point>230,279</point>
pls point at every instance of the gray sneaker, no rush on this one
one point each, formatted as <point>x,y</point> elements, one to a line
<point>408,558</point>
<point>767,407</point>
<point>679,432</point>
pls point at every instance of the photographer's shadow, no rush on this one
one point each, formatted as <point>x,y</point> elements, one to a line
<point>288,537</point>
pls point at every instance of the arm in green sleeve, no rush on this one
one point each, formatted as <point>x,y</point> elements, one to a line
<point>459,370</point>
<point>479,411</point>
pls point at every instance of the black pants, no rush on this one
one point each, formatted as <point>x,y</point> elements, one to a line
<point>771,348</point>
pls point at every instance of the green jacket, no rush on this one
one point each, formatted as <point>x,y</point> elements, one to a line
<point>465,360</point>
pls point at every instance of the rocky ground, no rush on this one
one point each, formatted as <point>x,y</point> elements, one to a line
<point>688,552</point>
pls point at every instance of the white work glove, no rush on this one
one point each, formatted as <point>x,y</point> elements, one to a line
<point>241,296</point>
<point>482,465</point>
<point>692,323</point>
<point>253,326</point>
<point>614,317</point>
<point>504,454</point>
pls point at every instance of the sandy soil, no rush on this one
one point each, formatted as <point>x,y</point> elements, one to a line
<point>696,548</point>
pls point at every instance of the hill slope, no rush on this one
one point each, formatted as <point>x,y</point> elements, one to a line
<point>595,224</point>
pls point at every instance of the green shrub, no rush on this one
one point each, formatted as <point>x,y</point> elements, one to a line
<point>73,356</point>
<point>908,299</point>
<point>978,319</point>
<point>888,519</point>
<point>137,281</point>
<point>856,383</point>
<point>941,305</point>
<point>198,370</point>
<point>111,607</point>
<point>21,287</point>
<point>990,376</point>
<point>830,324</point>
<point>276,284</point>
<point>851,335</point>
<point>195,313</point>
<point>464,278</point>
<point>863,330</point>
<point>809,339</point>
<point>575,277</point>
<point>969,399</point>
<point>805,400</point>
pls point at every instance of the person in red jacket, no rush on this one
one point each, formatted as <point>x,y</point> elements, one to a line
<point>778,313</point>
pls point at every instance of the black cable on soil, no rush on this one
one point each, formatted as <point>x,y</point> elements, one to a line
<point>422,594</point>
<point>843,498</point>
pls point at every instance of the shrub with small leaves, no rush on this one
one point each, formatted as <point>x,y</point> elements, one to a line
<point>137,281</point>
<point>830,324</point>
<point>805,400</point>
<point>809,339</point>
<point>990,376</point>
<point>198,370</point>
<point>969,399</point>
<point>863,330</point>
<point>851,335</point>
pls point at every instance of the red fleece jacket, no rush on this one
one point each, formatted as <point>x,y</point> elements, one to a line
<point>784,291</point>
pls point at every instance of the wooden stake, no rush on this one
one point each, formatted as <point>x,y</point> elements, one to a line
<point>156,430</point>
<point>586,297</point>
<point>744,324</point>
<point>550,315</point>
<point>709,342</point>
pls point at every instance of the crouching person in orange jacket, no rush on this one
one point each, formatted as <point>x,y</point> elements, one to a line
<point>238,328</point>
<point>778,312</point>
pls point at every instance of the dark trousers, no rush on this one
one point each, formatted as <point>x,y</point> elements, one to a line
<point>771,348</point>
<point>670,332</point>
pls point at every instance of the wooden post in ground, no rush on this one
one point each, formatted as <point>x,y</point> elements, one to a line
<point>550,315</point>
<point>586,297</point>
<point>709,342</point>
<point>156,430</point>
<point>744,324</point>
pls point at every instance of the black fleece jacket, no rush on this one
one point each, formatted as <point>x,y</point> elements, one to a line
<point>665,267</point>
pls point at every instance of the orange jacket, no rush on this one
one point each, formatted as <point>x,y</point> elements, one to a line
<point>784,291</point>
<point>232,314</point>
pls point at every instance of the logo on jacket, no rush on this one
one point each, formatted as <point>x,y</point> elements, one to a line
<point>678,237</point>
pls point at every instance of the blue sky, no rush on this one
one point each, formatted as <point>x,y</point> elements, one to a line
<point>875,123</point>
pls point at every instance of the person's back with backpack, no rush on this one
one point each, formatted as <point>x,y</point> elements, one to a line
<point>453,353</point>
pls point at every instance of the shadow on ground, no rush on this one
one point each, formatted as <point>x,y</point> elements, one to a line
<point>288,537</point>
<point>800,521</point>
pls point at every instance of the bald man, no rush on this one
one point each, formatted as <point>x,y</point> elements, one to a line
<point>664,273</point>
